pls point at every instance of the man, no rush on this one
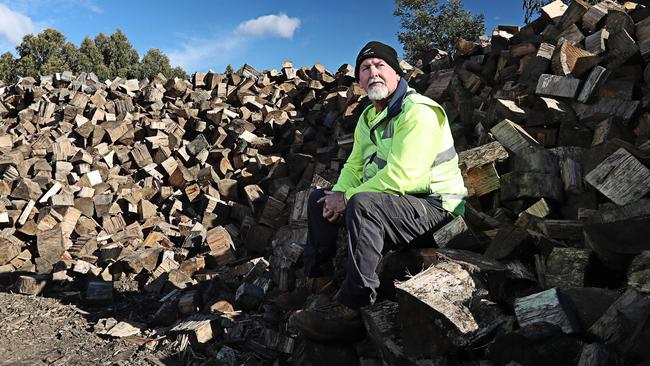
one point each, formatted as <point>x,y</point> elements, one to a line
<point>399,185</point>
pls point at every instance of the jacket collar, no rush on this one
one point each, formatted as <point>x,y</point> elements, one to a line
<point>395,103</point>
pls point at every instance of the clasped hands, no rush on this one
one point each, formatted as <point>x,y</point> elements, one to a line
<point>333,206</point>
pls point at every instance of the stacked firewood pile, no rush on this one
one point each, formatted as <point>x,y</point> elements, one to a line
<point>190,197</point>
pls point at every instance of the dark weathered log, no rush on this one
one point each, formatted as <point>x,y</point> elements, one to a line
<point>513,137</point>
<point>620,177</point>
<point>618,234</point>
<point>557,86</point>
<point>383,327</point>
<point>638,275</point>
<point>642,32</point>
<point>546,307</point>
<point>624,324</point>
<point>594,15</point>
<point>99,292</point>
<point>621,47</point>
<point>455,235</point>
<point>589,303</point>
<point>565,267</point>
<point>518,185</point>
<point>573,13</point>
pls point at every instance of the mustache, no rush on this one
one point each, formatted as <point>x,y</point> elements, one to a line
<point>376,80</point>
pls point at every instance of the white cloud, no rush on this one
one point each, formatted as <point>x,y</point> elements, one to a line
<point>199,54</point>
<point>90,5</point>
<point>269,25</point>
<point>196,54</point>
<point>14,25</point>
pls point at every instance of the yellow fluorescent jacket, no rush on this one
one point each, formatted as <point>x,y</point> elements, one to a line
<point>414,154</point>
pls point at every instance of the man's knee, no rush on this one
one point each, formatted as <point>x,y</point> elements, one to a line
<point>314,197</point>
<point>362,202</point>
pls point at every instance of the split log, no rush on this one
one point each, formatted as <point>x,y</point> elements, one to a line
<point>221,245</point>
<point>198,327</point>
<point>571,60</point>
<point>616,235</point>
<point>31,284</point>
<point>519,185</point>
<point>557,86</point>
<point>595,78</point>
<point>565,267</point>
<point>554,11</point>
<point>455,235</point>
<point>625,324</point>
<point>447,288</point>
<point>513,137</point>
<point>621,47</point>
<point>573,13</point>
<point>546,307</point>
<point>595,43</point>
<point>382,324</point>
<point>642,32</point>
<point>620,177</point>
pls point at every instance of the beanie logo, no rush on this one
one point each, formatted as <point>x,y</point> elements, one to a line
<point>368,51</point>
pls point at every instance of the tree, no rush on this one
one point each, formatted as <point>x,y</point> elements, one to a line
<point>91,59</point>
<point>154,62</point>
<point>41,47</point>
<point>229,69</point>
<point>107,56</point>
<point>7,67</point>
<point>178,72</point>
<point>427,24</point>
<point>120,57</point>
<point>70,55</point>
<point>533,7</point>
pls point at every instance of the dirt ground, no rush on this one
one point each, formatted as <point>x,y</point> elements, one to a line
<point>44,331</point>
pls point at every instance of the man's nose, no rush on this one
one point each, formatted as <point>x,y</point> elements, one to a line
<point>374,71</point>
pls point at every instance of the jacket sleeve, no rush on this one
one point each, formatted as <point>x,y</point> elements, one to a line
<point>352,171</point>
<point>416,140</point>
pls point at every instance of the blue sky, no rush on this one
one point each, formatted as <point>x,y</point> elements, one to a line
<point>202,35</point>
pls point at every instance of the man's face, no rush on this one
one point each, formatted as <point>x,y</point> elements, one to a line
<point>377,78</point>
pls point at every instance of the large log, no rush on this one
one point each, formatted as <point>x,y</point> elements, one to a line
<point>620,177</point>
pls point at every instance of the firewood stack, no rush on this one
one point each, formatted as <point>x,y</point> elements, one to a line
<point>549,263</point>
<point>183,202</point>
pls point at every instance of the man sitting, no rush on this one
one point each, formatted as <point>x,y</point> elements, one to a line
<point>400,184</point>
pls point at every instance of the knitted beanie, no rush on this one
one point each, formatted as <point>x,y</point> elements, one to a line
<point>378,50</point>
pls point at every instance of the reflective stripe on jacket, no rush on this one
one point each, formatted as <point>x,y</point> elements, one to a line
<point>411,152</point>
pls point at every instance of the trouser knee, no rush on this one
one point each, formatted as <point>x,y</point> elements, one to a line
<point>312,201</point>
<point>360,204</point>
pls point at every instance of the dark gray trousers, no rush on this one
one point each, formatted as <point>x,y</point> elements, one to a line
<point>376,223</point>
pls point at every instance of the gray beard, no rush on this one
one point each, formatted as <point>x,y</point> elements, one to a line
<point>378,92</point>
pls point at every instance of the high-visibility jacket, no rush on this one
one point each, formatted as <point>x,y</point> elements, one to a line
<point>405,149</point>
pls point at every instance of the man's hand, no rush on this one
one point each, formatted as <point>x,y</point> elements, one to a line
<point>333,205</point>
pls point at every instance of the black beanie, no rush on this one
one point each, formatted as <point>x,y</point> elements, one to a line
<point>378,50</point>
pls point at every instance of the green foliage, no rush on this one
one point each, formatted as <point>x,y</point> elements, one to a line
<point>91,59</point>
<point>120,57</point>
<point>41,47</point>
<point>154,62</point>
<point>229,69</point>
<point>7,67</point>
<point>107,56</point>
<point>428,24</point>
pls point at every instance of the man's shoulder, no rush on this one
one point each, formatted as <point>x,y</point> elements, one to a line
<point>415,98</point>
